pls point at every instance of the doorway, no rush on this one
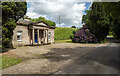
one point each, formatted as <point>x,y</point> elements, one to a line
<point>36,38</point>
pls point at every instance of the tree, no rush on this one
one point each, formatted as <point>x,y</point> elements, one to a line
<point>11,12</point>
<point>0,25</point>
<point>98,21</point>
<point>51,23</point>
<point>73,27</point>
<point>116,27</point>
<point>113,9</point>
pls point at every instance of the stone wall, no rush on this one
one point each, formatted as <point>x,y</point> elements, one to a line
<point>52,35</point>
<point>25,36</point>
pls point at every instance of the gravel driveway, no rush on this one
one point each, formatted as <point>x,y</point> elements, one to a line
<point>48,58</point>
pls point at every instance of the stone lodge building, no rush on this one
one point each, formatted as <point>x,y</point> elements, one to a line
<point>32,33</point>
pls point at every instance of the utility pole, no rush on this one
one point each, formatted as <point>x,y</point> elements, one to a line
<point>59,21</point>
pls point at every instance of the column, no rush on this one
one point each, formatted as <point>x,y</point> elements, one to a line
<point>47,36</point>
<point>29,34</point>
<point>44,36</point>
<point>33,36</point>
<point>38,37</point>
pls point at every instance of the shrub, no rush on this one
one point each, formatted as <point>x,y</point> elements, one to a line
<point>84,35</point>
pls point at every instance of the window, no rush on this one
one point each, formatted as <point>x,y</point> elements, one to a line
<point>49,35</point>
<point>19,36</point>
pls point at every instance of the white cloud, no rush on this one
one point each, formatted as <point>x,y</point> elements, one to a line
<point>70,12</point>
<point>62,0</point>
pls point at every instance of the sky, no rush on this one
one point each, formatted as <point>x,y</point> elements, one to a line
<point>70,13</point>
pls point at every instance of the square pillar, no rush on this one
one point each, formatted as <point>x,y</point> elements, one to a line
<point>38,36</point>
<point>44,36</point>
<point>29,34</point>
<point>33,36</point>
<point>47,37</point>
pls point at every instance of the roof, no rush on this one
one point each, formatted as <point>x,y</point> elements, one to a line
<point>28,22</point>
<point>24,21</point>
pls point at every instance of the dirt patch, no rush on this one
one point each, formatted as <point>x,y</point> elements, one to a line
<point>48,58</point>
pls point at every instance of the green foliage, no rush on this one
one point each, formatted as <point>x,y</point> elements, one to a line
<point>6,32</point>
<point>98,21</point>
<point>0,26</point>
<point>51,23</point>
<point>9,61</point>
<point>102,18</point>
<point>11,12</point>
<point>113,9</point>
<point>63,33</point>
<point>116,29</point>
<point>72,36</point>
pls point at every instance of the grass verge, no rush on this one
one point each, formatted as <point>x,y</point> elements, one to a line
<point>70,41</point>
<point>65,41</point>
<point>111,36</point>
<point>9,61</point>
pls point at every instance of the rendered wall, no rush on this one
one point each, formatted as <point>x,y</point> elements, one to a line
<point>25,36</point>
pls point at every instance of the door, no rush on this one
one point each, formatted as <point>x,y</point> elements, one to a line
<point>36,40</point>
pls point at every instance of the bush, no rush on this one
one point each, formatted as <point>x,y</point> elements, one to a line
<point>85,36</point>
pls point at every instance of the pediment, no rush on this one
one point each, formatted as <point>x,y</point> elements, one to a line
<point>41,24</point>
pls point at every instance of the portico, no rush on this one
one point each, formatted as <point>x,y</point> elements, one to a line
<point>39,36</point>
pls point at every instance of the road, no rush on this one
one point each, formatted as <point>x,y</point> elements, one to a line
<point>103,60</point>
<point>67,58</point>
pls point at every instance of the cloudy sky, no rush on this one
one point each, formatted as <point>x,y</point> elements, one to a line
<point>70,13</point>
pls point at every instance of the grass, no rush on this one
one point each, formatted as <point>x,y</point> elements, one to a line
<point>65,41</point>
<point>9,61</point>
<point>111,36</point>
<point>70,41</point>
<point>63,33</point>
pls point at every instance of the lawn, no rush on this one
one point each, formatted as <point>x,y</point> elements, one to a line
<point>111,36</point>
<point>65,41</point>
<point>63,33</point>
<point>9,61</point>
<point>70,41</point>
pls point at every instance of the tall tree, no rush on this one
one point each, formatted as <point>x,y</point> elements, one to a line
<point>103,17</point>
<point>97,20</point>
<point>113,9</point>
<point>11,12</point>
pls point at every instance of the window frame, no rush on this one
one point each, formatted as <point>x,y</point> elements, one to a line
<point>49,35</point>
<point>19,33</point>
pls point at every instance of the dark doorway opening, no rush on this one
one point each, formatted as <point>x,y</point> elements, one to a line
<point>36,40</point>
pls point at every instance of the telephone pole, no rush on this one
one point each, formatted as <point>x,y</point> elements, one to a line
<point>59,21</point>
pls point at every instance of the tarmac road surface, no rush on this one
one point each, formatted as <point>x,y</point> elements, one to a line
<point>103,60</point>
